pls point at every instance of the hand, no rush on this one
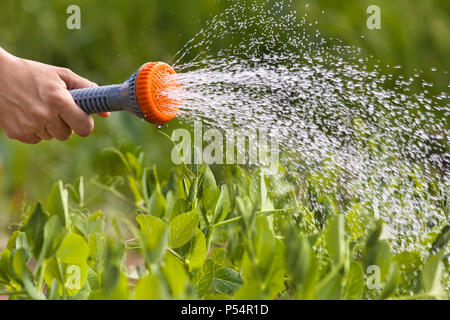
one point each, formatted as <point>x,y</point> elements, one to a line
<point>35,103</point>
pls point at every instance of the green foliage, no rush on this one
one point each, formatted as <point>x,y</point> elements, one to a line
<point>182,229</point>
<point>125,34</point>
<point>204,239</point>
<point>198,234</point>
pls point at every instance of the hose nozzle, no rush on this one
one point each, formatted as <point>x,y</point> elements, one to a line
<point>145,94</point>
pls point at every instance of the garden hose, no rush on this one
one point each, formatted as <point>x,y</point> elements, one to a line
<point>143,94</point>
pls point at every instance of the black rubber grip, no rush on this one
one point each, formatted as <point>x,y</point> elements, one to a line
<point>96,100</point>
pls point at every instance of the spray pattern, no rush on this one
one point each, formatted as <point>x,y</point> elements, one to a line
<point>355,130</point>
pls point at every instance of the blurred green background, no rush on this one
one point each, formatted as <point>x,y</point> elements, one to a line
<point>117,36</point>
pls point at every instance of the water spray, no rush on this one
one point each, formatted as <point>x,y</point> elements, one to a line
<point>143,94</point>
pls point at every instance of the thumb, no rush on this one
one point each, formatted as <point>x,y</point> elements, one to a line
<point>74,81</point>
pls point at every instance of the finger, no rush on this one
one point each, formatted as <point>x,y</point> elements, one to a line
<point>59,129</point>
<point>34,139</point>
<point>72,80</point>
<point>74,116</point>
<point>104,114</point>
<point>44,134</point>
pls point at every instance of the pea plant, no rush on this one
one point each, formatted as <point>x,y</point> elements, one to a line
<point>248,237</point>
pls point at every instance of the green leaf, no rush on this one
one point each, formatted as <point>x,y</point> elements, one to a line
<point>149,287</point>
<point>11,245</point>
<point>193,190</point>
<point>255,193</point>
<point>157,204</point>
<point>52,272</point>
<point>203,277</point>
<point>22,242</point>
<point>134,165</point>
<point>336,241</point>
<point>431,275</point>
<point>73,253</point>
<point>76,191</point>
<point>196,252</point>
<point>300,263</point>
<point>19,259</point>
<point>113,282</point>
<point>73,249</point>
<point>329,288</point>
<point>93,278</point>
<point>391,282</point>
<point>54,233</point>
<point>58,203</point>
<point>152,227</point>
<point>266,204</point>
<point>210,190</point>
<point>80,224</point>
<point>149,182</point>
<point>378,254</point>
<point>84,293</point>
<point>182,229</point>
<point>134,186</point>
<point>222,208</point>
<point>249,291</point>
<point>119,292</point>
<point>264,264</point>
<point>226,280</point>
<point>145,187</point>
<point>97,250</point>
<point>410,279</point>
<point>324,208</point>
<point>34,229</point>
<point>175,274</point>
<point>170,203</point>
<point>374,234</point>
<point>171,184</point>
<point>155,236</point>
<point>354,287</point>
<point>245,208</point>
<point>95,223</point>
<point>218,255</point>
<point>441,240</point>
<point>5,256</point>
<point>180,206</point>
<point>31,289</point>
<point>53,291</point>
<point>356,222</point>
<point>183,189</point>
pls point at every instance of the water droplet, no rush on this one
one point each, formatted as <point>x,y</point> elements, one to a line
<point>357,132</point>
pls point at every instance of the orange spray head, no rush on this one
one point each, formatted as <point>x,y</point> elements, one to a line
<point>153,85</point>
<point>145,94</point>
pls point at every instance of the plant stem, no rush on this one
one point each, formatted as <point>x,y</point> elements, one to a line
<point>41,280</point>
<point>208,237</point>
<point>119,195</point>
<point>259,213</point>
<point>176,254</point>
<point>225,222</point>
<point>11,293</point>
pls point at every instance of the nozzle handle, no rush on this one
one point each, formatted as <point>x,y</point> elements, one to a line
<point>99,99</point>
